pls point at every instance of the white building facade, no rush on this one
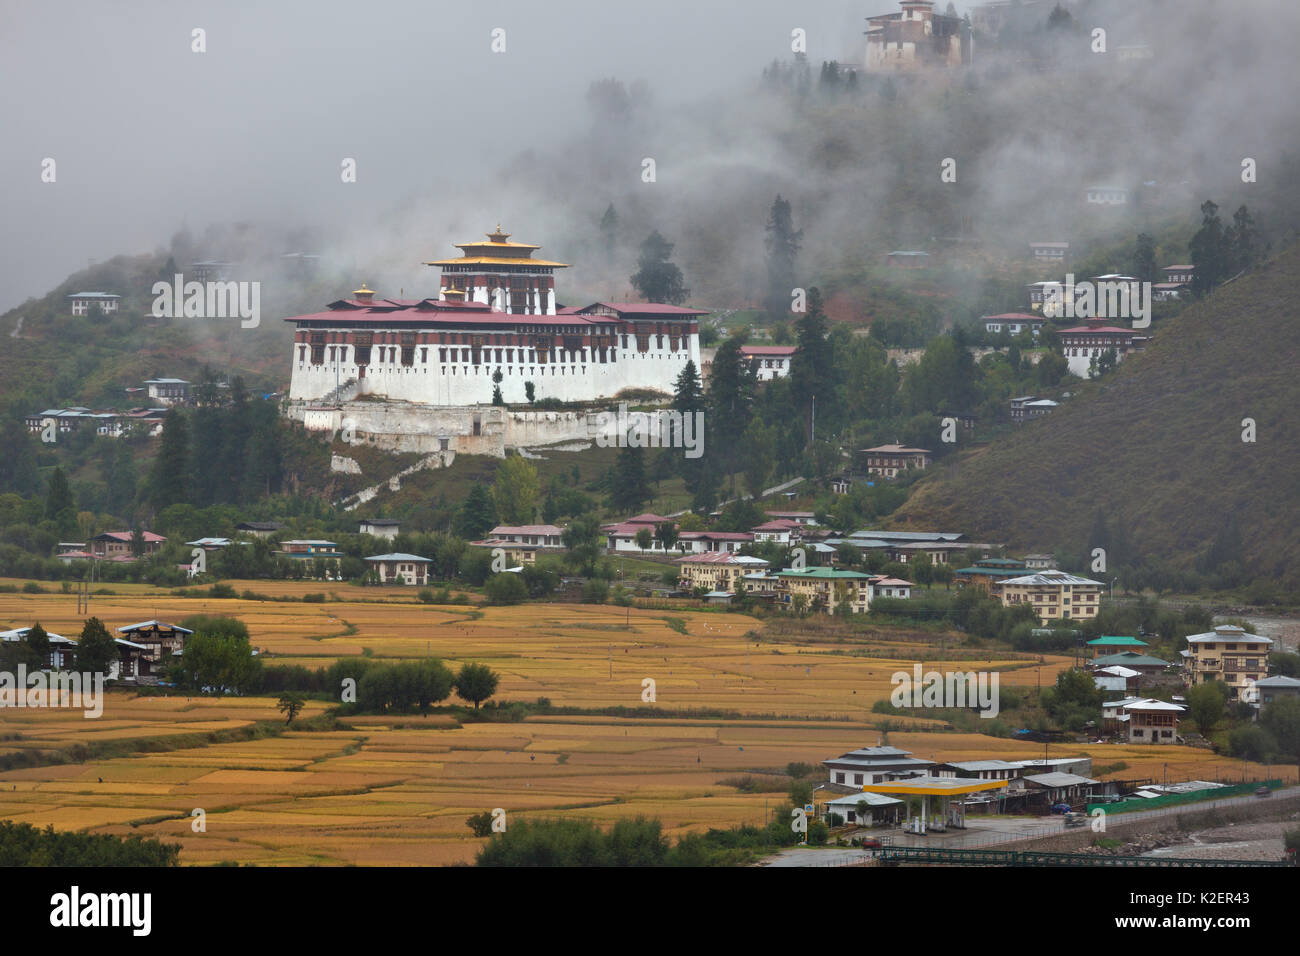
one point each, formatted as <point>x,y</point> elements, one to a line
<point>496,313</point>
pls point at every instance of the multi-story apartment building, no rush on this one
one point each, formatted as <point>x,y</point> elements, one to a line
<point>1229,654</point>
<point>1054,595</point>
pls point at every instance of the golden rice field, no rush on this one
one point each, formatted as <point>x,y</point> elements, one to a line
<point>397,790</point>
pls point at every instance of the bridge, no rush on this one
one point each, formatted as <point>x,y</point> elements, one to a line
<point>980,857</point>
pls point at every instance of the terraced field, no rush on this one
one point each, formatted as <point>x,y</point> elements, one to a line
<point>397,790</point>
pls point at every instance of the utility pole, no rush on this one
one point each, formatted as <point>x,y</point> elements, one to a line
<point>611,661</point>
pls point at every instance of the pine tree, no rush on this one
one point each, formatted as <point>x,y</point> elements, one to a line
<point>657,279</point>
<point>1144,258</point>
<point>629,486</point>
<point>60,505</point>
<point>170,483</point>
<point>477,514</point>
<point>1243,239</point>
<point>496,388</point>
<point>811,368</point>
<point>96,651</point>
<point>782,250</point>
<point>1211,255</point>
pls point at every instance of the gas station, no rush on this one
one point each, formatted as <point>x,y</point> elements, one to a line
<point>944,789</point>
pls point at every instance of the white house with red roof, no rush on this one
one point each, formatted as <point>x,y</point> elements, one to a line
<point>1082,343</point>
<point>116,545</point>
<point>779,530</point>
<point>769,361</point>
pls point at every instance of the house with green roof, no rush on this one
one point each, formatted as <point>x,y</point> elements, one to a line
<point>1142,663</point>
<point>1098,644</point>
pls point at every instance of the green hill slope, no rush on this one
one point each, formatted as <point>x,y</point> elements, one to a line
<point>1157,446</point>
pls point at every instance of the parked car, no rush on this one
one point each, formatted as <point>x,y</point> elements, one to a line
<point>1060,808</point>
<point>870,843</point>
<point>1263,792</point>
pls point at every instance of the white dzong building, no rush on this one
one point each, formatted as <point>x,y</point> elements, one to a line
<point>496,311</point>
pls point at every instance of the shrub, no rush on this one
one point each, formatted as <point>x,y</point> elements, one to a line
<point>313,598</point>
<point>505,588</point>
<point>595,591</point>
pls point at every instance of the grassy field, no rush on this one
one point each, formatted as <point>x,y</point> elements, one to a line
<point>397,790</point>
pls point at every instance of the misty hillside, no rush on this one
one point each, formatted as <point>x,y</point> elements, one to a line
<point>1157,445</point>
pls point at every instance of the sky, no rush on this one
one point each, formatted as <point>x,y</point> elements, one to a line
<point>148,136</point>
<point>451,137</point>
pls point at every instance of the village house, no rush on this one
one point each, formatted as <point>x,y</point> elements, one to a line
<point>1153,721</point>
<point>1082,343</point>
<point>209,544</point>
<point>889,461</point>
<point>1144,664</point>
<point>989,573</point>
<point>516,555</point>
<point>308,548</point>
<point>1229,654</point>
<point>209,270</point>
<point>699,542</point>
<point>1114,720</point>
<point>1113,644</point>
<point>539,535</point>
<point>1081,766</point>
<point>259,529</point>
<point>891,588</point>
<point>400,568</point>
<point>84,303</point>
<point>939,552</point>
<point>380,527</point>
<point>1026,407</point>
<point>1180,274</point>
<point>1058,787</point>
<point>1049,251</point>
<point>799,517</point>
<point>1275,688</point>
<point>1105,196</point>
<point>1054,595</point>
<point>1013,323</point>
<point>779,530</point>
<point>824,589</point>
<point>1049,297</point>
<point>160,643</point>
<point>866,809</point>
<point>69,420</point>
<point>116,545</point>
<point>768,361</point>
<point>169,391</point>
<point>63,650</point>
<point>1117,679</point>
<point>718,571</point>
<point>869,765</point>
<point>916,39</point>
<point>979,769</point>
<point>1040,562</point>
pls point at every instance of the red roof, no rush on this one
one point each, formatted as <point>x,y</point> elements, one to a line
<point>149,536</point>
<point>779,524</point>
<point>767,350</point>
<point>1022,316</point>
